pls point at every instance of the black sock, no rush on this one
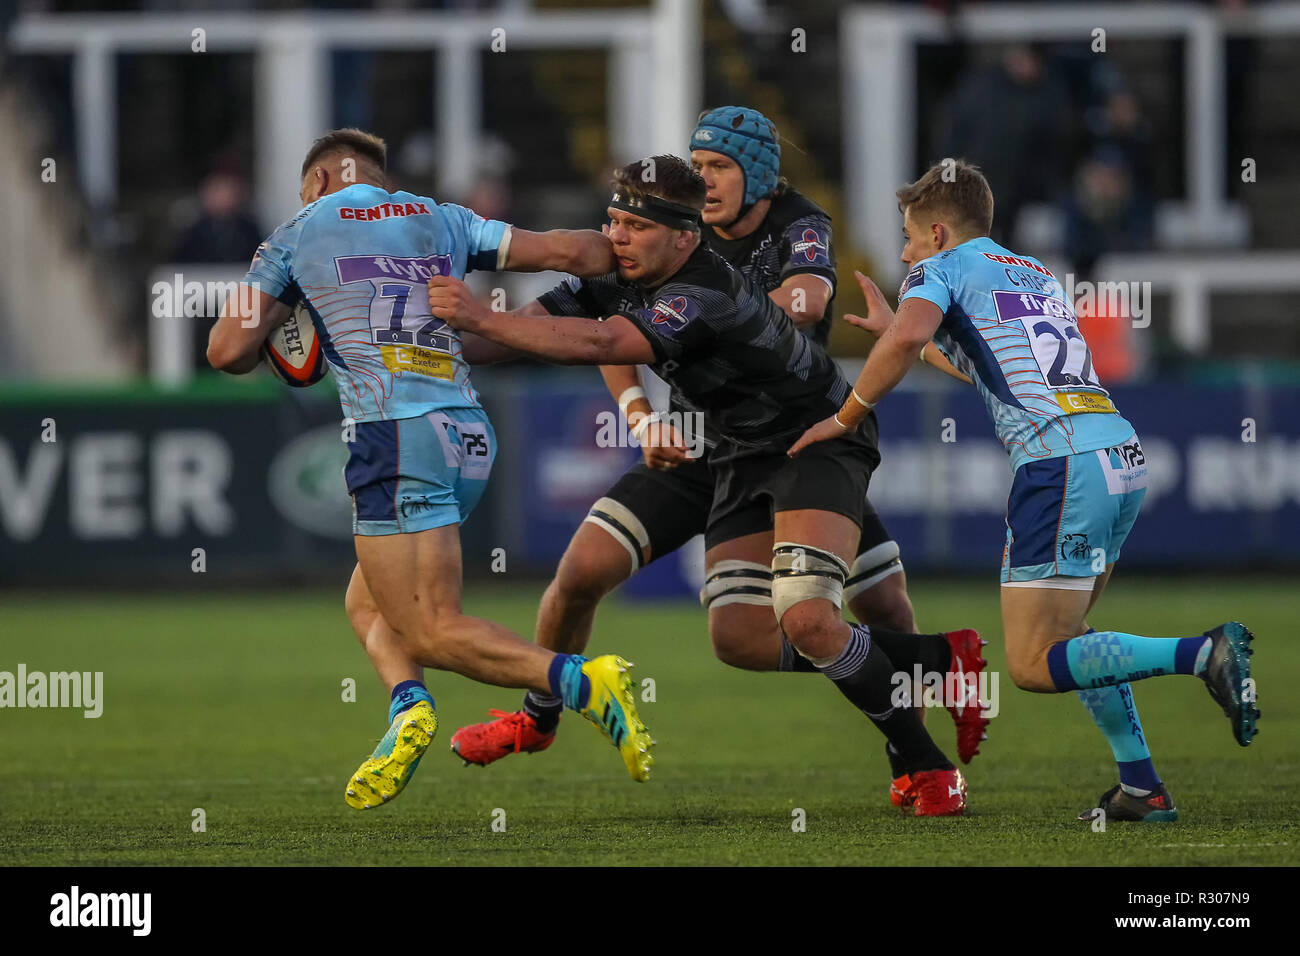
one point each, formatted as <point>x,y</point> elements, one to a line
<point>792,660</point>
<point>895,761</point>
<point>931,651</point>
<point>865,675</point>
<point>544,709</point>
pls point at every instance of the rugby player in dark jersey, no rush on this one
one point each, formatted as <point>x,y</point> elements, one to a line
<point>781,242</point>
<point>729,351</point>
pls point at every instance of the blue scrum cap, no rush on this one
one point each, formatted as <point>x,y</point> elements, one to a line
<point>748,137</point>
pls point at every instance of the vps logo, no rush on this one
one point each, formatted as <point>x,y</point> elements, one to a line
<point>675,312</point>
<point>811,247</point>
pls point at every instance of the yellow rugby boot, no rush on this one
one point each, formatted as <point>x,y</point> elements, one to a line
<point>391,766</point>
<point>612,707</point>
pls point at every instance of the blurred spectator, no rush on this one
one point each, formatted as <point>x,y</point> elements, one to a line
<point>413,165</point>
<point>1119,124</point>
<point>490,198</point>
<point>222,229</point>
<point>1106,212</point>
<point>1006,118</point>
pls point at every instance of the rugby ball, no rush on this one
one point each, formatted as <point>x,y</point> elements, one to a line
<point>292,351</point>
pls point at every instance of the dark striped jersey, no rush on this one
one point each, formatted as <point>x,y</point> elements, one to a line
<point>793,239</point>
<point>724,347</point>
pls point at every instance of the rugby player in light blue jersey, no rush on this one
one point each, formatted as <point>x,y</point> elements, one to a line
<point>421,446</point>
<point>1080,471</point>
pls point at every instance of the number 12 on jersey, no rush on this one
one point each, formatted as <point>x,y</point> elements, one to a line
<point>431,335</point>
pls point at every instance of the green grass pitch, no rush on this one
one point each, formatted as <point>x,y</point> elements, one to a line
<point>233,703</point>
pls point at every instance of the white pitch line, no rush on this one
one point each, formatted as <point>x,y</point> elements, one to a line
<point>1238,846</point>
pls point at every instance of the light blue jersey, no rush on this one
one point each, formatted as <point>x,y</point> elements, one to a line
<point>1007,324</point>
<point>360,259</point>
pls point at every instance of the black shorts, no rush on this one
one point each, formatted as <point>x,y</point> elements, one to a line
<point>668,508</point>
<point>752,487</point>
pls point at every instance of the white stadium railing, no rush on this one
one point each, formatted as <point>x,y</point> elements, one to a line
<point>180,297</point>
<point>650,110</point>
<point>878,53</point>
<point>1190,279</point>
<point>653,109</point>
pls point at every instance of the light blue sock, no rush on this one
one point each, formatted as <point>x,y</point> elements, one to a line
<point>568,682</point>
<point>1115,713</point>
<point>405,695</point>
<point>1106,658</point>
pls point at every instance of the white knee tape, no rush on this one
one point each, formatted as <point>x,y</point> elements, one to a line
<point>623,526</point>
<point>737,582</point>
<point>871,567</point>
<point>802,573</point>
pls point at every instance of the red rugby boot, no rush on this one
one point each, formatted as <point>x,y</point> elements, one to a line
<point>967,711</point>
<point>902,791</point>
<point>510,733</point>
<point>940,793</point>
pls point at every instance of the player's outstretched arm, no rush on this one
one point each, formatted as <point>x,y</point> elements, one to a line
<point>913,326</point>
<point>930,354</point>
<point>579,252</point>
<point>879,318</point>
<point>568,341</point>
<point>803,297</point>
<point>247,318</point>
<point>477,350</point>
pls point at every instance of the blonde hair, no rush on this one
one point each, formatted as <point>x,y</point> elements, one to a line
<point>953,191</point>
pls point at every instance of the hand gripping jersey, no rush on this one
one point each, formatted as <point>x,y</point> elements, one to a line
<point>360,258</point>
<point>1006,324</point>
<point>723,346</point>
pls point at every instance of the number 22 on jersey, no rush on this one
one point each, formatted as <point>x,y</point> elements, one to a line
<point>1052,329</point>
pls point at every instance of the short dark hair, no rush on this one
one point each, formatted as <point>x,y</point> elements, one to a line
<point>353,141</point>
<point>954,190</point>
<point>666,177</point>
